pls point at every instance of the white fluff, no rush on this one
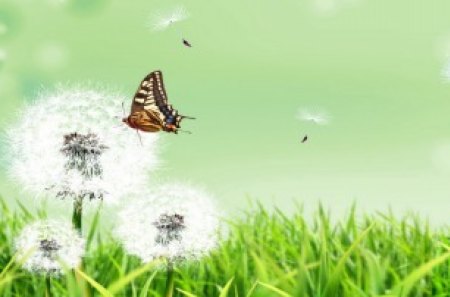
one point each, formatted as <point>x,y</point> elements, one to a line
<point>137,230</point>
<point>67,243</point>
<point>313,115</point>
<point>163,20</point>
<point>35,141</point>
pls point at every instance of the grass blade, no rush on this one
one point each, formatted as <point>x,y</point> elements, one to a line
<point>224,291</point>
<point>408,283</point>
<point>102,290</point>
<point>186,293</point>
<point>146,287</point>
<point>275,289</point>
<point>122,282</point>
<point>337,273</point>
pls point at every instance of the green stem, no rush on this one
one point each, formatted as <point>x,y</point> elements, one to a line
<point>77,224</point>
<point>48,289</point>
<point>170,283</point>
<point>77,214</point>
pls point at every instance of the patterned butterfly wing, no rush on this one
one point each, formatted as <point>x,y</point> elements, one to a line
<point>144,99</point>
<point>151,97</point>
<point>170,115</point>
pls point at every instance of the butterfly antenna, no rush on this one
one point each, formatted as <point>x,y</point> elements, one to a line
<point>139,135</point>
<point>186,117</point>
<point>184,131</point>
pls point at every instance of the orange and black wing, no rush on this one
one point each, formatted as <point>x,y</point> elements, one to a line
<point>151,96</point>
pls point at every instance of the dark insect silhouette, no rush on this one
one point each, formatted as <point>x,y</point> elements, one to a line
<point>150,111</point>
<point>305,138</point>
<point>187,43</point>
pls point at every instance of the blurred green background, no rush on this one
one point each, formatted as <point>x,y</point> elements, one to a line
<point>374,65</point>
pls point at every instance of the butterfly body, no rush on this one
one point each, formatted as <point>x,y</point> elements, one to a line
<point>150,111</point>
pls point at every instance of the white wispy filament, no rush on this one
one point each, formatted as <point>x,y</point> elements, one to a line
<point>163,20</point>
<point>176,222</point>
<point>46,245</point>
<point>71,143</point>
<point>315,116</point>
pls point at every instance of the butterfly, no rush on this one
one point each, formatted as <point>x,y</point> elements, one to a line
<point>150,111</point>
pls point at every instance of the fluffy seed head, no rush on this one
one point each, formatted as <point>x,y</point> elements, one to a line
<point>47,244</point>
<point>315,116</point>
<point>163,20</point>
<point>71,143</point>
<point>176,222</point>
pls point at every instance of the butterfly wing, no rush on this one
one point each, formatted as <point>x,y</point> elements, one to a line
<point>151,96</point>
<point>170,114</point>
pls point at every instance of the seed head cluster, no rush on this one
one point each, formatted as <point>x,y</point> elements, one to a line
<point>47,245</point>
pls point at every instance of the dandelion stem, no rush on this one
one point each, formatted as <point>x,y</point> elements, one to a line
<point>48,290</point>
<point>77,224</point>
<point>77,214</point>
<point>170,280</point>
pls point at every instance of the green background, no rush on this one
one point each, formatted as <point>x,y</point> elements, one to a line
<point>374,65</point>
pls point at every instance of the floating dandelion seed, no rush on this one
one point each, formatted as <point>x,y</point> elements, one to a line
<point>162,21</point>
<point>186,43</point>
<point>315,116</point>
<point>51,243</point>
<point>175,222</point>
<point>69,144</point>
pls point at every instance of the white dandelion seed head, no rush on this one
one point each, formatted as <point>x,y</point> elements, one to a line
<point>163,20</point>
<point>315,116</point>
<point>175,221</point>
<point>47,245</point>
<point>71,143</point>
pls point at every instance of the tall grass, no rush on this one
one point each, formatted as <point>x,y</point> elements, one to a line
<point>262,254</point>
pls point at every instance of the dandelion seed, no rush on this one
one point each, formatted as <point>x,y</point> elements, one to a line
<point>51,243</point>
<point>162,21</point>
<point>314,116</point>
<point>175,222</point>
<point>68,144</point>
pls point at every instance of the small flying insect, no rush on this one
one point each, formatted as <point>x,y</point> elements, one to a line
<point>186,43</point>
<point>305,138</point>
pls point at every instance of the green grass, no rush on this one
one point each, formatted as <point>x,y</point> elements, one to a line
<point>263,254</point>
